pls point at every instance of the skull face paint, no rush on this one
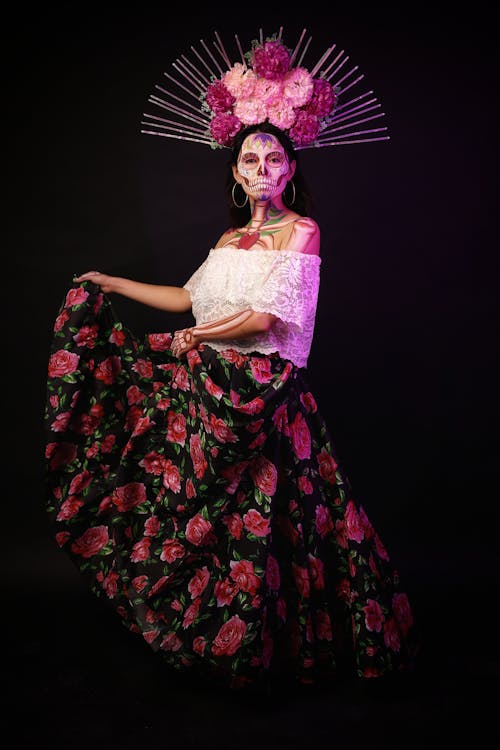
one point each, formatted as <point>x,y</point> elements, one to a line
<point>263,164</point>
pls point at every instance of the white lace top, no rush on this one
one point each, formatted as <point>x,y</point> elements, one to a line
<point>282,282</point>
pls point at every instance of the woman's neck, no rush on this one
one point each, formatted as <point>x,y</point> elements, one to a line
<point>263,211</point>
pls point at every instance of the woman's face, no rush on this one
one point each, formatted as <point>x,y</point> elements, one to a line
<point>263,168</point>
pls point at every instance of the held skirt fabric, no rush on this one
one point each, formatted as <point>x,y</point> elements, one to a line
<point>203,500</point>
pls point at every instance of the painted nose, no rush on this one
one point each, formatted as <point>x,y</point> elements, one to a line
<point>262,169</point>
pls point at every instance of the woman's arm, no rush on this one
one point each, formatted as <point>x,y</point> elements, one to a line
<point>238,326</point>
<point>170,298</point>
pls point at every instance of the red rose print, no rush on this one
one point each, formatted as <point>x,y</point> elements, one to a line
<point>159,342</point>
<point>62,537</point>
<point>191,613</point>
<point>150,635</point>
<point>199,643</point>
<point>316,571</point>
<point>190,490</point>
<point>171,642</point>
<point>69,508</point>
<point>152,526</point>
<point>261,369</point>
<point>374,616</point>
<point>91,541</point>
<point>280,419</point>
<point>197,529</point>
<point>327,466</point>
<point>87,336</point>
<point>153,463</point>
<point>353,526</point>
<point>264,474</point>
<point>76,297</point>
<point>242,571</point>
<point>60,321</point>
<point>139,583</point>
<point>308,402</point>
<point>199,582</point>
<point>108,370</point>
<point>108,443</point>
<point>80,482</point>
<point>256,524</point>
<point>61,422</point>
<point>176,428</point>
<point>252,407</point>
<point>213,389</point>
<point>225,591</point>
<point>305,485</point>
<point>301,577</point>
<point>324,523</point>
<point>231,355</point>
<point>234,524</point>
<point>140,550</point>
<point>144,368</point>
<point>230,637</point>
<point>110,584</point>
<point>172,550</point>
<point>300,437</point>
<point>181,379</point>
<point>171,477</point>
<point>62,454</point>
<point>62,363</point>
<point>221,431</point>
<point>129,496</point>
<point>117,337</point>
<point>197,456</point>
<point>135,395</point>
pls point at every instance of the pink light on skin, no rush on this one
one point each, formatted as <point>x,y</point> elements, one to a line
<point>263,171</point>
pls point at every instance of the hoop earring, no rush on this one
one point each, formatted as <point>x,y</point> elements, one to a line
<point>291,182</point>
<point>239,205</point>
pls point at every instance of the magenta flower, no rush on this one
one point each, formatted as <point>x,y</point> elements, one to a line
<point>305,130</point>
<point>224,127</point>
<point>219,99</point>
<point>323,99</point>
<point>271,60</point>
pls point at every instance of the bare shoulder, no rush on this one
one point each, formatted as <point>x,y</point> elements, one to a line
<point>305,236</point>
<point>225,237</point>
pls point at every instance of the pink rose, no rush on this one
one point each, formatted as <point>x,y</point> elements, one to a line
<point>191,613</point>
<point>139,583</point>
<point>144,368</point>
<point>153,463</point>
<point>225,591</point>
<point>60,321</point>
<point>76,297</point>
<point>152,526</point>
<point>159,342</point>
<point>129,496</point>
<point>199,582</point>
<point>221,431</point>
<point>214,390</point>
<point>171,642</point>
<point>324,523</point>
<point>256,524</point>
<point>172,550</point>
<point>197,529</point>
<point>230,637</point>
<point>197,456</point>
<point>61,422</point>
<point>391,635</point>
<point>373,615</point>
<point>308,402</point>
<point>280,419</point>
<point>327,466</point>
<point>300,437</point>
<point>87,336</point>
<point>171,477</point>
<point>305,485</point>
<point>176,427</point>
<point>116,337</point>
<point>261,369</point>
<point>61,454</point>
<point>80,482</point>
<point>108,369</point>
<point>62,363</point>
<point>234,524</point>
<point>264,475</point>
<point>140,550</point>
<point>181,379</point>
<point>91,541</point>
<point>69,508</point>
<point>354,528</point>
<point>242,571</point>
<point>134,395</point>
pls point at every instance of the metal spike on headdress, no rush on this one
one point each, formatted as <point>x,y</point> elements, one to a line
<point>194,120</point>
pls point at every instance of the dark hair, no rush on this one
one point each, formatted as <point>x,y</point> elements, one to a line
<point>302,202</point>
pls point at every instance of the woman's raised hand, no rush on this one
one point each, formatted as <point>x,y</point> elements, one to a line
<point>102,279</point>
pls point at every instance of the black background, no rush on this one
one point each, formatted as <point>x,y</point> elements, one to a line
<point>402,364</point>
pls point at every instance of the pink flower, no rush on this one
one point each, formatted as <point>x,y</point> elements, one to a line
<point>250,111</point>
<point>271,60</point>
<point>298,87</point>
<point>223,128</point>
<point>268,91</point>
<point>240,81</point>
<point>281,114</point>
<point>305,130</point>
<point>323,98</point>
<point>219,98</point>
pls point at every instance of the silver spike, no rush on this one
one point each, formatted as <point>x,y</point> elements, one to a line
<point>349,135</point>
<point>334,72</point>
<point>178,111</point>
<point>280,33</point>
<point>332,63</point>
<point>342,143</point>
<point>203,61</point>
<point>212,58</point>
<point>339,107</point>
<point>304,52</point>
<point>185,127</point>
<point>178,98</point>
<point>297,46</point>
<point>322,60</point>
<point>195,96</point>
<point>261,36</point>
<point>223,51</point>
<point>345,116</point>
<point>341,80</point>
<point>179,137</point>
<point>184,71</point>
<point>240,51</point>
<point>353,83</point>
<point>196,70</point>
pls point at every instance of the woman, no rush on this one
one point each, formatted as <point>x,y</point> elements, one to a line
<point>191,477</point>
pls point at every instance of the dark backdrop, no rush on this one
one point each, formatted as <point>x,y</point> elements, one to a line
<point>402,363</point>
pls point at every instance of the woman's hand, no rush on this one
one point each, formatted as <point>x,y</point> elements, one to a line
<point>102,279</point>
<point>183,341</point>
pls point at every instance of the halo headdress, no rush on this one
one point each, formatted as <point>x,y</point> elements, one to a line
<point>214,99</point>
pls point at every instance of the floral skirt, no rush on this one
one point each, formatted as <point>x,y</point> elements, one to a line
<point>203,500</point>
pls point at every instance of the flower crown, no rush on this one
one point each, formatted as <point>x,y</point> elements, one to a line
<point>271,85</point>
